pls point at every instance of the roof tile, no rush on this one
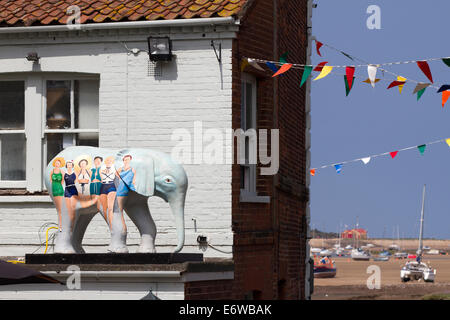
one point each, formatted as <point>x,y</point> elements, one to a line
<point>44,12</point>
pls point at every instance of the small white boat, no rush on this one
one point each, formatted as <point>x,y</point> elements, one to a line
<point>416,270</point>
<point>401,255</point>
<point>360,255</point>
<point>325,253</point>
<point>349,247</point>
<point>394,247</point>
<point>316,250</point>
<point>381,258</point>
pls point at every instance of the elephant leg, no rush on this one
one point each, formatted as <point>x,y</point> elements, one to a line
<point>80,228</point>
<point>137,209</point>
<point>118,232</point>
<point>63,242</point>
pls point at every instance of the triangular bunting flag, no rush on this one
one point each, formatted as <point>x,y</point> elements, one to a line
<point>446,61</point>
<point>283,58</point>
<point>420,89</point>
<point>420,93</point>
<point>420,86</point>
<point>318,46</point>
<point>347,87</point>
<point>422,148</point>
<point>448,141</point>
<point>423,65</point>
<point>338,168</point>
<point>369,82</point>
<point>347,55</point>
<point>255,64</point>
<point>366,160</point>
<point>393,154</point>
<point>319,67</point>
<point>349,72</point>
<point>244,64</point>
<point>445,95</point>
<point>285,67</point>
<point>312,172</point>
<point>306,73</point>
<point>400,86</point>
<point>272,66</point>
<point>444,87</point>
<point>372,71</point>
<point>396,83</point>
<point>325,71</point>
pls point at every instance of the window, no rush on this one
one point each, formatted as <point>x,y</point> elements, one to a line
<point>71,115</point>
<point>12,133</point>
<point>41,114</point>
<point>248,121</point>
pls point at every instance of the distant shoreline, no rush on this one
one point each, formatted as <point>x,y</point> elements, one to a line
<point>405,244</point>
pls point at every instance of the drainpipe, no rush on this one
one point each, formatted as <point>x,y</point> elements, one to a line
<point>309,275</point>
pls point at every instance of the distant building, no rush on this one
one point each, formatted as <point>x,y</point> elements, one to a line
<point>354,234</point>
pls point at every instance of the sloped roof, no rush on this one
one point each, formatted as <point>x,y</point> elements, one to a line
<point>15,13</point>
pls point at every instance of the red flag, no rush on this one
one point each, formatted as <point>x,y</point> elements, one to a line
<point>350,71</point>
<point>318,46</point>
<point>285,67</point>
<point>395,83</point>
<point>423,65</point>
<point>393,154</point>
<point>313,172</point>
<point>319,67</point>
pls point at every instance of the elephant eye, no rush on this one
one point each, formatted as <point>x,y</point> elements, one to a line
<point>168,180</point>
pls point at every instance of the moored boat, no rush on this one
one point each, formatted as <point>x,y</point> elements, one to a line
<point>324,268</point>
<point>416,270</point>
<point>359,254</point>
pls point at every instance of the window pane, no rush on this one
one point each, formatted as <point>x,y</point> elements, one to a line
<point>13,156</point>
<point>58,104</point>
<point>12,104</point>
<point>56,142</point>
<point>87,139</point>
<point>86,104</point>
<point>249,106</point>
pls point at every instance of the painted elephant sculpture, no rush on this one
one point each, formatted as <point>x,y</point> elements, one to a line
<point>83,181</point>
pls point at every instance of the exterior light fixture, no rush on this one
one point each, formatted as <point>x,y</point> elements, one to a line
<point>33,56</point>
<point>160,48</point>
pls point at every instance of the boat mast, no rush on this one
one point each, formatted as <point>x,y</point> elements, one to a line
<point>419,251</point>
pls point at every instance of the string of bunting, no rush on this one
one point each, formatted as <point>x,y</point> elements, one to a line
<point>282,66</point>
<point>338,166</point>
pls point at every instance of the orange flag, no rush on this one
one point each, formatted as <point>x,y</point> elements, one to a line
<point>313,172</point>
<point>285,67</point>
<point>445,96</point>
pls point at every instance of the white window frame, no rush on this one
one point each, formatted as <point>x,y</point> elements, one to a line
<point>36,108</point>
<point>248,193</point>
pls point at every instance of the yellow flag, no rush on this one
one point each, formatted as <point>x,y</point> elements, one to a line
<point>400,87</point>
<point>244,63</point>
<point>325,71</point>
<point>448,141</point>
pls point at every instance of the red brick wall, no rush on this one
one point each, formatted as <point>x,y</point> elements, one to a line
<point>208,290</point>
<point>270,239</point>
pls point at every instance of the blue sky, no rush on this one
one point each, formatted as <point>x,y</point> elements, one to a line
<point>385,193</point>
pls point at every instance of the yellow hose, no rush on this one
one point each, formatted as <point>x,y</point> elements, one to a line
<point>46,237</point>
<point>15,261</point>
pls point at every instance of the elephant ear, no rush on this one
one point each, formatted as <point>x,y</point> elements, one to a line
<point>145,171</point>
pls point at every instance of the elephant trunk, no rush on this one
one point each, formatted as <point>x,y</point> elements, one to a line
<point>177,206</point>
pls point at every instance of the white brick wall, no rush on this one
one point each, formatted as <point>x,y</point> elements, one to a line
<point>137,110</point>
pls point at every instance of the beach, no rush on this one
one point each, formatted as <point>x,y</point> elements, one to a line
<point>351,280</point>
